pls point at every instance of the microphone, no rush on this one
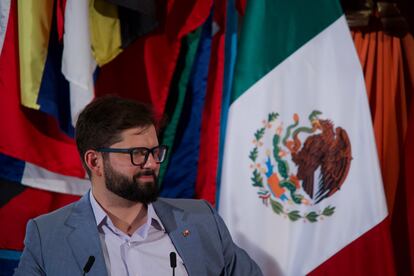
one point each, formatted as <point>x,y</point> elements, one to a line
<point>88,265</point>
<point>173,262</point>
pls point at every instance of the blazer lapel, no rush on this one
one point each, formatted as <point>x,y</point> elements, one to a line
<point>184,236</point>
<point>84,239</point>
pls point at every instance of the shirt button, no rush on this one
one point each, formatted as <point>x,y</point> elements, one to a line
<point>129,243</point>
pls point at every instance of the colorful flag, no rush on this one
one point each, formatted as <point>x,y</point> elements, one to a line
<point>42,85</point>
<point>31,136</point>
<point>31,175</point>
<point>178,90</point>
<point>144,70</point>
<point>34,151</point>
<point>181,174</point>
<point>301,186</point>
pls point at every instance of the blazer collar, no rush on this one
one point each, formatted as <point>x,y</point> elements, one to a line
<point>84,239</point>
<point>85,242</point>
<point>184,235</point>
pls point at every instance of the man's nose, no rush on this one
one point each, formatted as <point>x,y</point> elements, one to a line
<point>151,163</point>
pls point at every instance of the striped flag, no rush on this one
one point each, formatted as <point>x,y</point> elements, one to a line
<point>177,94</point>
<point>301,188</point>
<point>181,173</point>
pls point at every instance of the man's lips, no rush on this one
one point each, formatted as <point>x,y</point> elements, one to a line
<point>146,175</point>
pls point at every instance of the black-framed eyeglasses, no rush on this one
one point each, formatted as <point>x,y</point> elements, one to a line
<point>139,155</point>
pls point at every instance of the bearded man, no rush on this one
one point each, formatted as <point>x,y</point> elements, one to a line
<point>121,227</point>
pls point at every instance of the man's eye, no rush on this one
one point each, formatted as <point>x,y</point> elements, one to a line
<point>140,152</point>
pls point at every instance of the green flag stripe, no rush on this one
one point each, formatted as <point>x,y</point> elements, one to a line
<point>274,29</point>
<point>178,91</point>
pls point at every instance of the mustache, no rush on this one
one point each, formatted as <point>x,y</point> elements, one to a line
<point>146,173</point>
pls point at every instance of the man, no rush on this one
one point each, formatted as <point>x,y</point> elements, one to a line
<point>120,227</point>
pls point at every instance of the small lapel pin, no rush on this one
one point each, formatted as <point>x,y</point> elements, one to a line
<point>186,232</point>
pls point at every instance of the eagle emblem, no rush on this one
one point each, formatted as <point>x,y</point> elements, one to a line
<point>300,165</point>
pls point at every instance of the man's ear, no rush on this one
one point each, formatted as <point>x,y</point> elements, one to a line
<point>94,162</point>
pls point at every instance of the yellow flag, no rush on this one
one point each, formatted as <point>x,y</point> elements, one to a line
<point>105,30</point>
<point>35,20</point>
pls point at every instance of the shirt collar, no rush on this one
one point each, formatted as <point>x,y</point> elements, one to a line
<point>99,213</point>
<point>152,218</point>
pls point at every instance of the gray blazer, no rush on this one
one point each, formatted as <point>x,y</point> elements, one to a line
<point>61,242</point>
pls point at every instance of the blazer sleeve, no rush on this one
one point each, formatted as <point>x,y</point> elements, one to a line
<point>31,261</point>
<point>237,261</point>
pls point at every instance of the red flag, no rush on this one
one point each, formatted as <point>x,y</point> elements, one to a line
<point>60,17</point>
<point>28,204</point>
<point>353,259</point>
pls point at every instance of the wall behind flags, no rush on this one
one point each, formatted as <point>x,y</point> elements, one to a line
<point>178,59</point>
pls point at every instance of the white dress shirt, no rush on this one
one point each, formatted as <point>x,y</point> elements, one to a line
<point>145,252</point>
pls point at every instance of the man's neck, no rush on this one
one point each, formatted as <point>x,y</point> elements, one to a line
<point>126,215</point>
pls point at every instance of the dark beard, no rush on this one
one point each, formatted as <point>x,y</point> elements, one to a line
<point>131,189</point>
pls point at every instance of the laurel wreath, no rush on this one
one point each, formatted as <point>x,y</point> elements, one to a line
<point>295,214</point>
<point>257,181</point>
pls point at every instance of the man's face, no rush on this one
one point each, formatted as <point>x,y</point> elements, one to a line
<point>134,183</point>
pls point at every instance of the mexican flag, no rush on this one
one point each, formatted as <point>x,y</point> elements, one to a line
<point>301,189</point>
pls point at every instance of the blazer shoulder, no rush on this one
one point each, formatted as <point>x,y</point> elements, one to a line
<point>56,217</point>
<point>185,204</point>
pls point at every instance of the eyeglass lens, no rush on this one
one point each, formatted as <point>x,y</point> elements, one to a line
<point>140,155</point>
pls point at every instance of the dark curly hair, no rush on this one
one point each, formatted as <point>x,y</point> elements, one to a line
<point>101,122</point>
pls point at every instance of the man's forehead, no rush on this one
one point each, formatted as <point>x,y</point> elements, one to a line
<point>140,130</point>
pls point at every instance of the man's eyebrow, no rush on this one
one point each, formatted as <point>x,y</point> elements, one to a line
<point>139,132</point>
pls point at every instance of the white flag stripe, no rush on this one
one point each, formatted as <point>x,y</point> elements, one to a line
<point>40,178</point>
<point>325,75</point>
<point>78,63</point>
